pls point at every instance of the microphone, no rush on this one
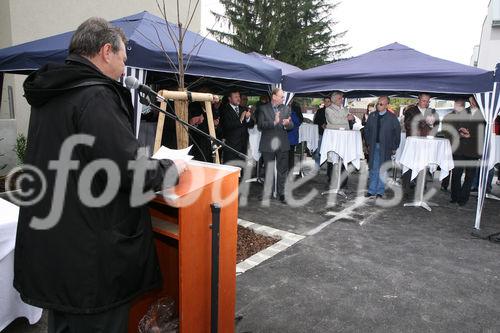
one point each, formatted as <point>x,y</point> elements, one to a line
<point>132,83</point>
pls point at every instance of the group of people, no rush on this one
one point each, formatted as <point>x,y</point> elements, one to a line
<point>382,136</point>
<point>279,126</point>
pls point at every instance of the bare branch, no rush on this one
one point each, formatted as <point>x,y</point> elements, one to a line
<point>191,18</point>
<point>200,44</point>
<point>159,46</point>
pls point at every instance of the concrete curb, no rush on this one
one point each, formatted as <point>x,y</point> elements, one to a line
<point>287,240</point>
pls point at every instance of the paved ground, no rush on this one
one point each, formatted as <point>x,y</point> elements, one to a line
<point>400,269</point>
<point>369,269</point>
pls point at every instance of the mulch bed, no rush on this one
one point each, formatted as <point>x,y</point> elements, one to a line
<point>249,243</point>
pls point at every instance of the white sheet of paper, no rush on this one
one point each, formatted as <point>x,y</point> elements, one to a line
<point>173,154</point>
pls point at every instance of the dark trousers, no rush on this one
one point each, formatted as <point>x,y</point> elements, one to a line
<point>407,184</point>
<point>280,159</point>
<point>111,321</point>
<point>461,192</point>
<point>291,157</point>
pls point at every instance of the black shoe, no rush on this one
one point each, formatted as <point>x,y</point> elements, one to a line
<point>444,189</point>
<point>282,199</point>
<point>379,196</point>
<point>453,201</point>
<point>369,195</point>
<point>461,204</point>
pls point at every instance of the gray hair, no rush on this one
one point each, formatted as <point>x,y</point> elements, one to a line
<point>93,34</point>
<point>337,93</point>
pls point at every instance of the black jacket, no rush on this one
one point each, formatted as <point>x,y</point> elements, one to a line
<point>235,131</point>
<point>274,137</point>
<point>467,147</point>
<point>389,137</point>
<point>320,119</point>
<point>92,259</point>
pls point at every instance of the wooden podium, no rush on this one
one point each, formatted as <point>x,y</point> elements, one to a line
<point>182,219</point>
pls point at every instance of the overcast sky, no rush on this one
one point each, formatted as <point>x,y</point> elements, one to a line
<point>447,29</point>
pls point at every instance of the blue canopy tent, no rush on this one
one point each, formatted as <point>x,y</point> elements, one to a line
<point>152,57</point>
<point>394,69</point>
<point>285,69</point>
<point>489,103</point>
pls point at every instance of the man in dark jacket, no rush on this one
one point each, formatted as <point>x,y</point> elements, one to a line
<point>320,120</point>
<point>273,121</point>
<point>235,122</point>
<point>202,146</point>
<point>382,135</point>
<point>80,255</point>
<point>469,126</point>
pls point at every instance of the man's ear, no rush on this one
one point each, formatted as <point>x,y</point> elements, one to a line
<point>106,51</point>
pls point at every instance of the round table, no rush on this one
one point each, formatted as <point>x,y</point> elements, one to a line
<point>12,306</point>
<point>420,153</point>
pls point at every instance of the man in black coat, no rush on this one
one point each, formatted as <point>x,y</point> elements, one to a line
<point>202,149</point>
<point>470,128</point>
<point>320,120</point>
<point>273,121</point>
<point>80,253</point>
<point>235,122</point>
<point>382,135</point>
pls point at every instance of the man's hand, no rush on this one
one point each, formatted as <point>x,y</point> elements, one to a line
<point>287,121</point>
<point>350,117</point>
<point>277,118</point>
<point>216,122</point>
<point>464,132</point>
<point>196,120</point>
<point>181,166</point>
<point>248,114</point>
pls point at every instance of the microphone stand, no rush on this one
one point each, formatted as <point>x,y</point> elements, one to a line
<point>215,143</point>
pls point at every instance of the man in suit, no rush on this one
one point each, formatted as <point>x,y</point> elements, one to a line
<point>234,122</point>
<point>274,120</point>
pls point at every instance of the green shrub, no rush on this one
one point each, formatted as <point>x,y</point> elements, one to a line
<point>20,147</point>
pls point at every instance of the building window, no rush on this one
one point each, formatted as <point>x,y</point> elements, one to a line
<point>495,13</point>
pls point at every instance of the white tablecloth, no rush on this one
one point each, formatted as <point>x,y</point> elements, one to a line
<point>399,151</point>
<point>254,142</point>
<point>420,152</point>
<point>346,144</point>
<point>11,306</point>
<point>309,133</point>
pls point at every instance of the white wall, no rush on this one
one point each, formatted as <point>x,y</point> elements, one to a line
<point>7,143</point>
<point>26,20</point>
<point>489,50</point>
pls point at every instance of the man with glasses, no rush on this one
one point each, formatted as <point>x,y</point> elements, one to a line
<point>382,135</point>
